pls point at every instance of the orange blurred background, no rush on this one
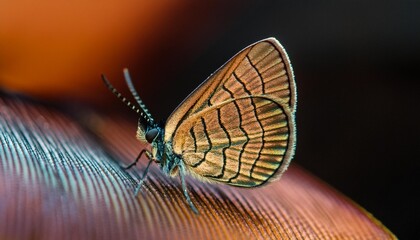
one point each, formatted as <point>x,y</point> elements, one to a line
<point>56,50</point>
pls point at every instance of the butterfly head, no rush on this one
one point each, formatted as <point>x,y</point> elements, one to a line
<point>153,135</point>
<point>147,131</point>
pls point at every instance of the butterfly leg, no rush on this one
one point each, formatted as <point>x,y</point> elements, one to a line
<point>184,187</point>
<point>148,154</point>
<point>138,188</point>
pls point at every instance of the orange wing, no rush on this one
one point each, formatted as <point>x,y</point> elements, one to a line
<point>246,106</point>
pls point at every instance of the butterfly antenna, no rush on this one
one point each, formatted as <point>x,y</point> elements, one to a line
<point>125,101</point>
<point>136,95</point>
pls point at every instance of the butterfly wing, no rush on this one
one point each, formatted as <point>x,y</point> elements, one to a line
<point>240,120</point>
<point>243,141</point>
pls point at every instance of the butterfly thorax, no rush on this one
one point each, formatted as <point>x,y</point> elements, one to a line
<point>170,160</point>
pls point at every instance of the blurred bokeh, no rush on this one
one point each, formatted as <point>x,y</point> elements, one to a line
<point>356,67</point>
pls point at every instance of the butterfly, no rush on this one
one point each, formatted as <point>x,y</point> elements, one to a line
<point>236,128</point>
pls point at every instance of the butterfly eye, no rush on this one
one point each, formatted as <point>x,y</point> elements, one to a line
<point>151,135</point>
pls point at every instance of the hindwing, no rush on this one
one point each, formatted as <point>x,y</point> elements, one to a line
<point>242,142</point>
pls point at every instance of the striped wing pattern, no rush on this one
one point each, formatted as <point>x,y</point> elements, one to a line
<point>261,71</point>
<point>238,126</point>
<point>240,142</point>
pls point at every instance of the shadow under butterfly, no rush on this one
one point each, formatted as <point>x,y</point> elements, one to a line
<point>236,128</point>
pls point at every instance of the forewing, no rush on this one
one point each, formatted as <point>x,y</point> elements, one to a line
<point>243,142</point>
<point>262,68</point>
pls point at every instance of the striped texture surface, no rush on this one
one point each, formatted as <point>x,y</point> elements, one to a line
<point>60,179</point>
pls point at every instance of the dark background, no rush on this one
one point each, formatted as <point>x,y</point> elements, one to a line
<point>356,66</point>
